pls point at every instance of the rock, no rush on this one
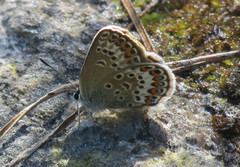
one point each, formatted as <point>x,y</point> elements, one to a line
<point>178,134</point>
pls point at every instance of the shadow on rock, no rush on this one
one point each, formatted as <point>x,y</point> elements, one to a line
<point>119,140</point>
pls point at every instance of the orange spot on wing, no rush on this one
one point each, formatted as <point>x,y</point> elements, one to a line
<point>156,91</point>
<point>151,100</point>
<point>145,68</point>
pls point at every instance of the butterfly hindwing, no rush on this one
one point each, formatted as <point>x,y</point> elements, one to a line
<point>145,84</point>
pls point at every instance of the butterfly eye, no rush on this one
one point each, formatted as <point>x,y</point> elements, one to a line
<point>76,95</point>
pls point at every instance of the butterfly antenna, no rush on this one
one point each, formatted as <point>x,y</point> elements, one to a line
<point>75,94</point>
<point>54,69</point>
<point>44,62</point>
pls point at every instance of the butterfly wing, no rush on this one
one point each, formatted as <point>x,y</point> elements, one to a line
<point>143,84</point>
<point>112,49</point>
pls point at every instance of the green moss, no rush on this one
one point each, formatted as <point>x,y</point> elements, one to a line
<point>91,160</point>
<point>46,113</point>
<point>188,29</point>
<point>227,62</point>
<point>193,85</point>
<point>179,159</point>
<point>196,29</point>
<point>140,2</point>
<point>173,57</point>
<point>120,11</point>
<point>149,19</point>
<point>10,69</point>
<point>224,101</point>
<point>211,78</point>
<point>57,153</point>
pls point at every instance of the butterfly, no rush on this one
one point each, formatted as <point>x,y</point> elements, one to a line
<point>119,73</point>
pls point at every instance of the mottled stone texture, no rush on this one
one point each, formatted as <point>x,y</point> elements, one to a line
<point>60,32</point>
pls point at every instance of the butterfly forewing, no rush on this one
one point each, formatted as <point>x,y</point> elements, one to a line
<point>112,49</point>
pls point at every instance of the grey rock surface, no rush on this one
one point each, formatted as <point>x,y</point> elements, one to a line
<point>60,32</point>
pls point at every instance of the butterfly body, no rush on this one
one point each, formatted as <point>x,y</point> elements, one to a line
<point>119,73</point>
